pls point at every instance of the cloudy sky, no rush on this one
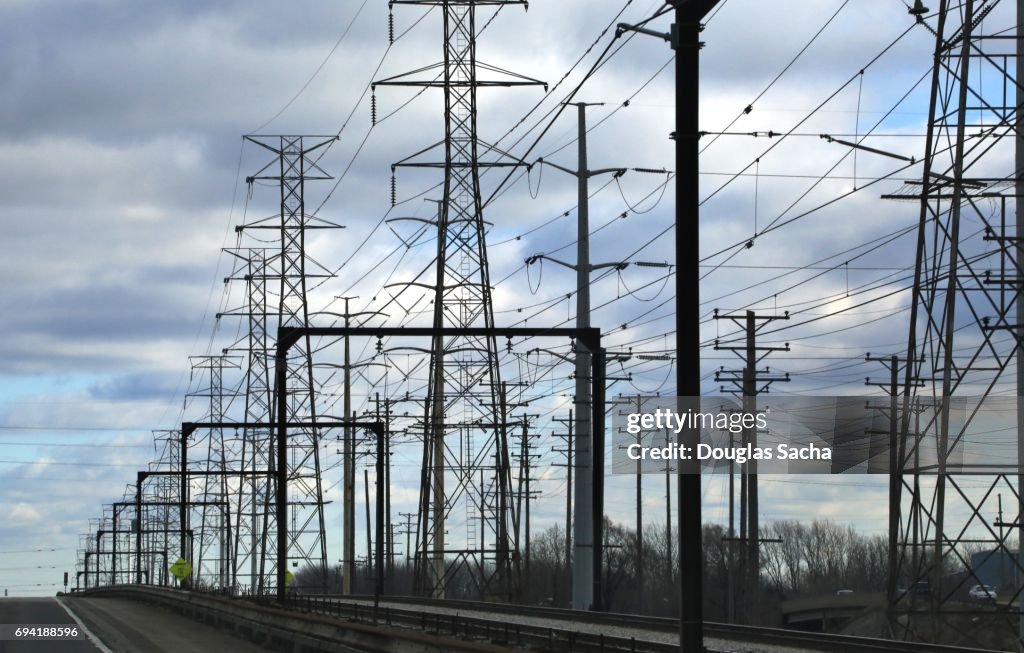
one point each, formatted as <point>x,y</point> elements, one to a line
<point>122,177</point>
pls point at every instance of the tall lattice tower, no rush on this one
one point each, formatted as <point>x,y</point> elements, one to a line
<point>295,162</point>
<point>965,331</point>
<point>466,480</point>
<point>213,543</point>
<point>253,494</point>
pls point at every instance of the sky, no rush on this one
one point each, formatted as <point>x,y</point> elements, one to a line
<point>122,178</point>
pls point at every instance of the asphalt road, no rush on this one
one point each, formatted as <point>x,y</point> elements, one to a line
<point>126,626</point>
<point>119,625</point>
<point>40,611</point>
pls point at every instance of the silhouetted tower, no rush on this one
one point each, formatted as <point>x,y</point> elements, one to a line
<point>295,162</point>
<point>466,466</point>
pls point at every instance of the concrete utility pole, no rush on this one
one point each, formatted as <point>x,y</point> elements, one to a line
<point>583,557</point>
<point>583,553</point>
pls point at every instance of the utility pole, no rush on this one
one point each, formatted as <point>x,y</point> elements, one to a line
<point>582,568</point>
<point>348,501</point>
<point>385,477</point>
<point>369,546</point>
<point>896,453</point>
<point>525,494</point>
<point>641,588</point>
<point>750,382</point>
<point>582,563</point>
<point>408,533</point>
<point>568,451</point>
<point>349,457</point>
<point>684,38</point>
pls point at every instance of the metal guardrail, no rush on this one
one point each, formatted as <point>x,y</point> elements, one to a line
<point>480,626</point>
<point>732,632</point>
<point>493,630</point>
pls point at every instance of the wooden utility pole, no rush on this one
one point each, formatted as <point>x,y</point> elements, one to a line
<point>569,464</point>
<point>748,383</point>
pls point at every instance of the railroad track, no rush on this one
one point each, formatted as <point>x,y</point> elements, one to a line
<point>557,629</point>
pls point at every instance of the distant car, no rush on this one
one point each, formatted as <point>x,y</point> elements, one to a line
<point>982,593</point>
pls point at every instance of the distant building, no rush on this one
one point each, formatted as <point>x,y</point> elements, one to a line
<point>996,567</point>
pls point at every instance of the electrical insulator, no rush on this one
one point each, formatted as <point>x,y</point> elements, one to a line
<point>373,109</point>
<point>391,28</point>
<point>394,188</point>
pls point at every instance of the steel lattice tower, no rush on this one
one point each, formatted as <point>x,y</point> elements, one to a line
<point>293,165</point>
<point>254,496</point>
<point>965,326</point>
<point>466,468</point>
<point>214,539</point>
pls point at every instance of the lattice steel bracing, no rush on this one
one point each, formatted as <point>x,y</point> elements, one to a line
<point>466,478</point>
<point>965,328</point>
<point>296,162</point>
<point>213,543</point>
<point>254,495</point>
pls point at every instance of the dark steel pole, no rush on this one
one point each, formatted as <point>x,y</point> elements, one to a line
<point>113,551</point>
<point>895,484</point>
<point>378,587</point>
<point>138,527</point>
<point>183,496</point>
<point>750,435</point>
<point>597,460</point>
<point>687,45</point>
<point>281,388</point>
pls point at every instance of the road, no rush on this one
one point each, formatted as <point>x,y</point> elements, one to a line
<point>40,611</point>
<point>119,625</point>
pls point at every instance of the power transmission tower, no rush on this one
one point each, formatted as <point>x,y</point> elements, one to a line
<point>296,162</point>
<point>966,319</point>
<point>255,493</point>
<point>455,449</point>
<point>214,562</point>
<point>748,383</point>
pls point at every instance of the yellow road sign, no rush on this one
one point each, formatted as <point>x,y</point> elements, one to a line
<point>181,569</point>
<point>289,577</point>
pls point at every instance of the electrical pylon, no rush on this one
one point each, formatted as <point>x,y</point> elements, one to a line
<point>296,161</point>
<point>965,324</point>
<point>466,462</point>
<point>254,516</point>
<point>214,540</point>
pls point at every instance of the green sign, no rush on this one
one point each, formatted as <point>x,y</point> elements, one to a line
<point>181,569</point>
<point>289,577</point>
